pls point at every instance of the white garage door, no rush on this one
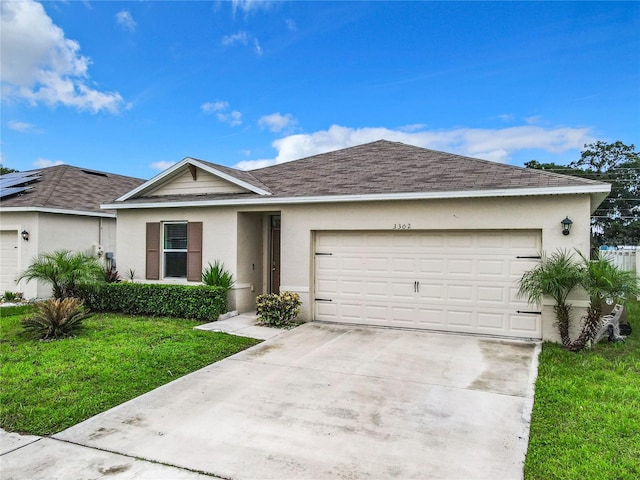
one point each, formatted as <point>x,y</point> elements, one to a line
<point>8,260</point>
<point>452,281</point>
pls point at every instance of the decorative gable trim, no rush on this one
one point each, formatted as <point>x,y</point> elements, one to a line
<point>193,165</point>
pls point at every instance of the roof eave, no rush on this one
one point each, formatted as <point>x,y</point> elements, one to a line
<point>61,211</point>
<point>597,192</point>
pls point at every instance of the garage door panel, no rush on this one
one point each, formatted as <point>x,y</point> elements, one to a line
<point>492,321</point>
<point>526,325</point>
<point>460,293</point>
<point>460,267</point>
<point>459,318</point>
<point>466,281</point>
<point>430,266</point>
<point>8,260</point>
<point>493,268</point>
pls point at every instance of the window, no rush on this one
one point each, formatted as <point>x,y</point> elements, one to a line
<point>175,250</point>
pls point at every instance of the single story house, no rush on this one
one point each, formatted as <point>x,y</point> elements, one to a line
<point>382,234</point>
<point>55,208</point>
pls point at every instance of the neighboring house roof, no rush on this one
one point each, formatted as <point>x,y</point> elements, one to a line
<point>67,189</point>
<point>374,171</point>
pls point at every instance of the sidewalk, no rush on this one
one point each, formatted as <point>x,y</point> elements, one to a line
<point>244,325</point>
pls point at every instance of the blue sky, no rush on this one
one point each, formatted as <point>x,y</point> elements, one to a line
<point>132,87</point>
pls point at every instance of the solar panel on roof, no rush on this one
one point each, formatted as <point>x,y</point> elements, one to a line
<point>16,178</point>
<point>5,192</point>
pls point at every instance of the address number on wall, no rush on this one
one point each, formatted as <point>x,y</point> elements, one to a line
<point>401,226</point>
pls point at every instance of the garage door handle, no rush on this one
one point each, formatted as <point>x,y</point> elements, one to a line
<point>527,312</point>
<point>416,287</point>
<point>323,300</point>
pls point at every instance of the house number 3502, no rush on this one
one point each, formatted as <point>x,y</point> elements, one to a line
<point>402,226</point>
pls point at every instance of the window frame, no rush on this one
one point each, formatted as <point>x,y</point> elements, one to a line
<point>164,250</point>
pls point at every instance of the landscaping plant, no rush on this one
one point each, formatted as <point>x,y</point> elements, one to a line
<point>217,276</point>
<point>56,318</point>
<point>278,310</point>
<point>605,283</point>
<point>557,275</point>
<point>65,271</point>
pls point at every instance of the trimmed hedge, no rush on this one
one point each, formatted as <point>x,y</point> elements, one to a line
<point>179,301</point>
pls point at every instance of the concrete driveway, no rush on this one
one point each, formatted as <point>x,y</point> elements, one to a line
<point>326,401</point>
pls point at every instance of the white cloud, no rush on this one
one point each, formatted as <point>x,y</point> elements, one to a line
<point>212,107</point>
<point>240,37</point>
<point>221,109</point>
<point>162,165</point>
<point>22,127</point>
<point>277,122</point>
<point>126,21</point>
<point>40,65</point>
<point>44,163</point>
<point>490,144</point>
<point>506,117</point>
<point>248,6</point>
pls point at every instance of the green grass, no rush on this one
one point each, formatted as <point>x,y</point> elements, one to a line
<point>46,387</point>
<point>586,415</point>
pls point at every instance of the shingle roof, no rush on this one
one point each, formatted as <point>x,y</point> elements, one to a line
<point>72,188</point>
<point>379,168</point>
<point>393,167</point>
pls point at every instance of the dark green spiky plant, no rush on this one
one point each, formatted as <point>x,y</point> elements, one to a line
<point>605,283</point>
<point>56,318</point>
<point>217,276</point>
<point>555,276</point>
<point>64,271</point>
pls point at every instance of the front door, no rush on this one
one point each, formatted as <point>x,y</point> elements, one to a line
<point>274,281</point>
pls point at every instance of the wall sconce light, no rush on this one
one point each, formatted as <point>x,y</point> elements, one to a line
<point>566,225</point>
<point>25,235</point>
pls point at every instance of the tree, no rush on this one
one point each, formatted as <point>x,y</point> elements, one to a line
<point>554,276</point>
<point>65,271</point>
<point>605,283</point>
<point>4,170</point>
<point>617,219</point>
<point>558,274</point>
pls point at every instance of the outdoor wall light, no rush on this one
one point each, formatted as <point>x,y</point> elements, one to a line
<point>566,225</point>
<point>25,235</point>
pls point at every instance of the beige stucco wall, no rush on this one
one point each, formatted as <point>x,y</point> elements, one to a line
<point>52,231</point>
<point>529,213</point>
<point>228,234</point>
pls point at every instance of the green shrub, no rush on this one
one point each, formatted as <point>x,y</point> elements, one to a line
<point>65,271</point>
<point>10,296</point>
<point>180,301</point>
<point>217,276</point>
<point>56,318</point>
<point>277,310</point>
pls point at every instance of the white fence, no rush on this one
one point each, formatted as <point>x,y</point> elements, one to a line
<point>627,258</point>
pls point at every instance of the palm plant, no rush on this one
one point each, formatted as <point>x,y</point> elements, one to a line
<point>56,318</point>
<point>605,283</point>
<point>555,276</point>
<point>65,271</point>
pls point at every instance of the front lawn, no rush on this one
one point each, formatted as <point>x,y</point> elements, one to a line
<point>46,387</point>
<point>586,416</point>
